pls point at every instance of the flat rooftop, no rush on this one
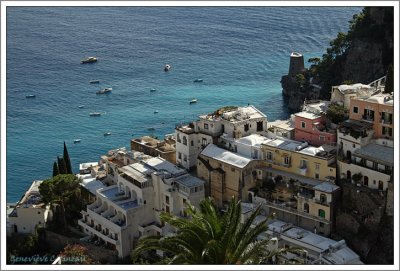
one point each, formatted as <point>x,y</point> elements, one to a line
<point>161,164</point>
<point>32,197</point>
<point>111,193</point>
<point>357,125</point>
<point>91,184</point>
<point>360,88</point>
<point>307,115</point>
<point>189,181</point>
<point>316,106</point>
<point>254,140</point>
<point>326,187</point>
<point>137,171</point>
<point>225,156</point>
<point>236,114</point>
<point>381,98</point>
<point>282,124</point>
<point>377,152</point>
<point>88,165</point>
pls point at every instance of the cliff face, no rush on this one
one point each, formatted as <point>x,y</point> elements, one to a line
<point>361,55</point>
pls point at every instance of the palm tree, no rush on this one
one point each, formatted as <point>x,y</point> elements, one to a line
<point>211,238</point>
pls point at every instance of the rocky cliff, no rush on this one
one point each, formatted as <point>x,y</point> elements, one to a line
<point>361,55</point>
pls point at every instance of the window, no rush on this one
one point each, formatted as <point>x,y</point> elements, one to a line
<point>260,125</point>
<point>316,166</point>
<point>206,126</point>
<point>322,138</point>
<point>303,124</point>
<point>184,140</point>
<point>38,213</point>
<point>316,176</point>
<point>321,213</point>
<point>179,155</point>
<point>303,163</point>
<point>166,199</point>
<point>246,127</point>
<point>322,198</point>
<point>203,142</point>
<point>191,143</point>
<point>306,208</point>
<point>387,131</point>
<point>178,138</point>
<point>185,157</point>
<point>368,114</point>
<point>232,169</point>
<point>321,224</point>
<point>355,110</point>
<point>286,160</point>
<point>269,155</point>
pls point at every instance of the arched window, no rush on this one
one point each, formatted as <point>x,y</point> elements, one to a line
<point>380,185</point>
<point>306,208</point>
<point>366,180</point>
<point>322,198</point>
<point>348,175</point>
<point>321,213</point>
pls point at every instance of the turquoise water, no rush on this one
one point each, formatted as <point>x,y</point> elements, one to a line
<point>240,53</point>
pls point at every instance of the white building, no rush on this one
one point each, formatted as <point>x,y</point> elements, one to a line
<point>318,249</point>
<point>30,212</point>
<point>248,146</point>
<point>343,93</point>
<point>129,209</point>
<point>235,122</point>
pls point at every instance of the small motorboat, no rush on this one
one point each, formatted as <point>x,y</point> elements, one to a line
<point>167,67</point>
<point>104,91</point>
<point>198,81</point>
<point>153,90</point>
<point>30,96</point>
<point>155,111</point>
<point>107,134</point>
<point>81,106</point>
<point>90,59</point>
<point>193,101</point>
<point>77,140</point>
<point>94,81</point>
<point>151,129</point>
<point>94,114</point>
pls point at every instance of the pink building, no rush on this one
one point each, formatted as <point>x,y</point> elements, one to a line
<point>312,129</point>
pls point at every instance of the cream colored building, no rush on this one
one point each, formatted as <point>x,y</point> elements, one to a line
<point>234,122</point>
<point>343,93</point>
<point>30,212</point>
<point>130,208</point>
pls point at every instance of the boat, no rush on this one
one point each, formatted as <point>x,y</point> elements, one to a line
<point>30,96</point>
<point>94,81</point>
<point>193,101</point>
<point>104,91</point>
<point>156,111</point>
<point>77,140</point>
<point>198,81</point>
<point>153,90</point>
<point>81,106</point>
<point>90,59</point>
<point>167,67</point>
<point>94,114</point>
<point>107,134</point>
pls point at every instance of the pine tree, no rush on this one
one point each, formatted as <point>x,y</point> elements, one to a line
<point>62,169</point>
<point>67,160</point>
<point>389,84</point>
<point>55,169</point>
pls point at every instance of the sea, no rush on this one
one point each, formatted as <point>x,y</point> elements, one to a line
<point>239,52</point>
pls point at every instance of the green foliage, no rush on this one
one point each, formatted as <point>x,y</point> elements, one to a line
<point>55,169</point>
<point>62,168</point>
<point>389,84</point>
<point>300,80</point>
<point>58,190</point>
<point>357,177</point>
<point>337,113</point>
<point>75,254</point>
<point>314,60</point>
<point>209,237</point>
<point>67,161</point>
<point>348,82</point>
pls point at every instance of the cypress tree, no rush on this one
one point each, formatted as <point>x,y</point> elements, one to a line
<point>67,160</point>
<point>55,169</point>
<point>389,84</point>
<point>62,169</point>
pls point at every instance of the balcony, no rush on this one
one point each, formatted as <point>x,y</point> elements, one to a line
<point>367,117</point>
<point>302,170</point>
<point>107,238</point>
<point>387,121</point>
<point>375,168</point>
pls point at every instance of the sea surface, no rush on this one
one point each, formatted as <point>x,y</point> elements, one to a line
<point>240,53</point>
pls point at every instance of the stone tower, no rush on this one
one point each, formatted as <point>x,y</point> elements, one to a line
<point>296,64</point>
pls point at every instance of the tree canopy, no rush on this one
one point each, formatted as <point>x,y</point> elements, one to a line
<point>209,237</point>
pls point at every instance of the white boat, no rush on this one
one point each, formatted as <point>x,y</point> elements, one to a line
<point>94,82</point>
<point>107,134</point>
<point>193,101</point>
<point>94,114</point>
<point>77,140</point>
<point>153,90</point>
<point>90,59</point>
<point>167,67</point>
<point>81,106</point>
<point>198,81</point>
<point>30,96</point>
<point>155,111</point>
<point>104,91</point>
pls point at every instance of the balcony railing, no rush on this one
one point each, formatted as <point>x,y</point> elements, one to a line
<point>367,118</point>
<point>375,168</point>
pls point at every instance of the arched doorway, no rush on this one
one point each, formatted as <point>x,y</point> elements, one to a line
<point>380,185</point>
<point>250,197</point>
<point>348,155</point>
<point>366,180</point>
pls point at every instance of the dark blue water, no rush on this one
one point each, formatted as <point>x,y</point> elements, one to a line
<point>240,53</point>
